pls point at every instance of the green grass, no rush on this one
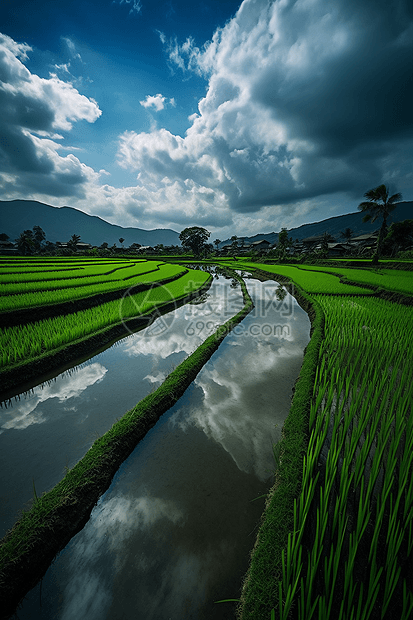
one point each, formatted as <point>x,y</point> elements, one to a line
<point>45,273</point>
<point>389,279</point>
<point>355,536</point>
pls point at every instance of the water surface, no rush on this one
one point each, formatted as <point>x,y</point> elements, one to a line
<point>50,428</point>
<point>173,533</point>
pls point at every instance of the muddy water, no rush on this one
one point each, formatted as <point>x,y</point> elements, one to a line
<point>172,534</point>
<point>51,427</point>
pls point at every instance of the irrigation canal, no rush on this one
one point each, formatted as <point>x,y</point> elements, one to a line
<point>173,533</point>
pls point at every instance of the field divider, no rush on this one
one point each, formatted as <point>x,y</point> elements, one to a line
<point>31,545</point>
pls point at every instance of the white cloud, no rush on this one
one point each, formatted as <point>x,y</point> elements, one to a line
<point>32,109</point>
<point>154,101</point>
<point>293,116</point>
<point>136,5</point>
<point>286,115</point>
<point>72,48</point>
<point>158,102</point>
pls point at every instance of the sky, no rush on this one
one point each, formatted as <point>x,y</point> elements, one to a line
<point>242,118</point>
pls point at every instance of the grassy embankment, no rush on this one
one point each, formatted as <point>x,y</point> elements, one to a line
<point>28,549</point>
<point>337,532</point>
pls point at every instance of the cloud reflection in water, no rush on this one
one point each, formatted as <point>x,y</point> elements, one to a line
<point>66,386</point>
<point>247,389</point>
<point>87,591</point>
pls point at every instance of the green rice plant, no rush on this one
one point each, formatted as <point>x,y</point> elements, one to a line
<point>357,537</point>
<point>83,277</point>
<point>78,290</point>
<point>389,279</point>
<point>49,272</point>
<point>26,342</point>
<point>311,282</point>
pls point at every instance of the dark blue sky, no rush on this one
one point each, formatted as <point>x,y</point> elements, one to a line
<point>240,117</point>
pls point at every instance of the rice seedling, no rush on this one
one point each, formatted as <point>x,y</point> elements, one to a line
<point>389,279</point>
<point>355,541</point>
<point>46,272</point>
<point>311,282</point>
<point>25,342</point>
<point>77,289</point>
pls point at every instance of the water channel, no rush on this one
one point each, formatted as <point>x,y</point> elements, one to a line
<point>173,533</point>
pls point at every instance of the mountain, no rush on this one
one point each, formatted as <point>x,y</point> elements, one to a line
<point>60,223</point>
<point>335,225</point>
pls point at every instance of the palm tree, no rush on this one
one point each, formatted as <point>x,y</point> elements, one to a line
<point>347,234</point>
<point>379,205</point>
<point>326,239</point>
<point>73,241</point>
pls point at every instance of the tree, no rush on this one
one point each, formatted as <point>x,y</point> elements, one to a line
<point>25,242</point>
<point>121,240</point>
<point>4,237</point>
<point>39,237</point>
<point>283,238</point>
<point>326,239</point>
<point>216,243</point>
<point>399,237</point>
<point>73,241</point>
<point>194,239</point>
<point>379,204</point>
<point>347,234</point>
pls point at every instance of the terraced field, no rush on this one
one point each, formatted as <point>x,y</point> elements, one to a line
<point>31,287</point>
<point>112,293</point>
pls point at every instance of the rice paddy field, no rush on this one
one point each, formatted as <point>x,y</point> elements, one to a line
<point>348,550</point>
<point>146,285</point>
<point>336,539</point>
<point>312,281</point>
<point>31,287</point>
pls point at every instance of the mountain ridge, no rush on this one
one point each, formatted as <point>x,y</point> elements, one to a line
<point>60,223</point>
<point>335,225</point>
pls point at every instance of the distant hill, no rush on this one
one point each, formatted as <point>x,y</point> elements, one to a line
<point>335,225</point>
<point>60,223</point>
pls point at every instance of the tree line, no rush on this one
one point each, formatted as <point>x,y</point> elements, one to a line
<point>379,205</point>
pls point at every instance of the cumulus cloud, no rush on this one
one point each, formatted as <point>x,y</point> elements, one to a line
<point>158,102</point>
<point>32,110</point>
<point>307,103</point>
<point>304,99</point>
